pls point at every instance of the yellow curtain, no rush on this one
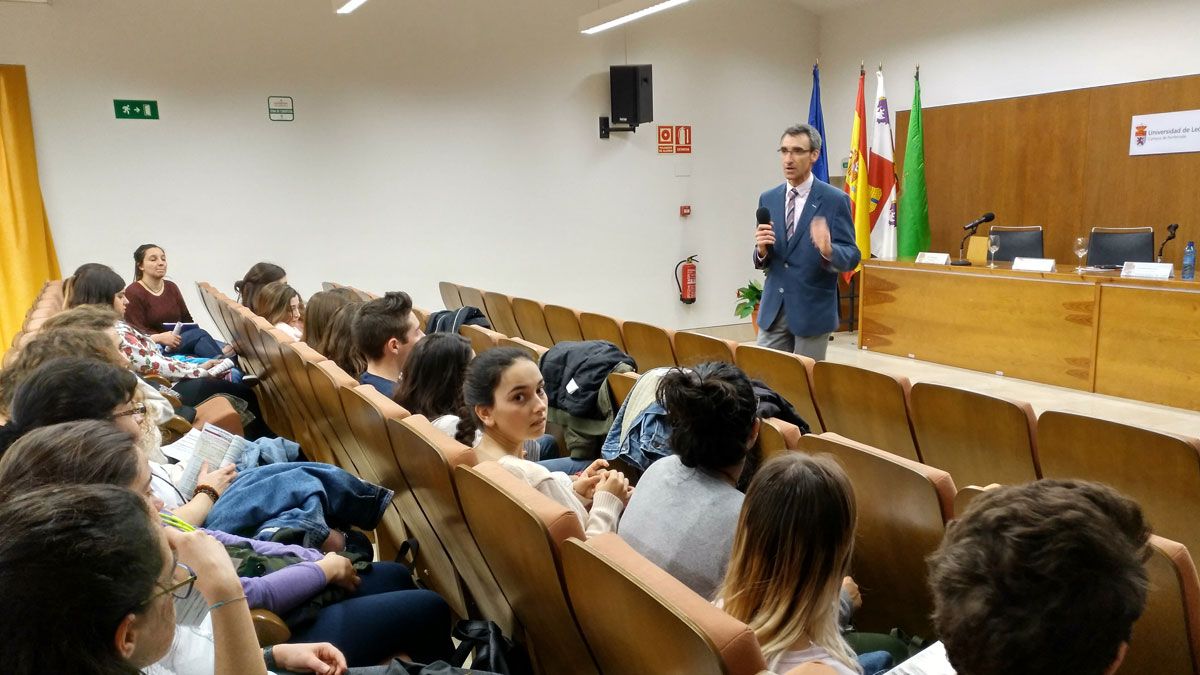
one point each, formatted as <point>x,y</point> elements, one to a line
<point>27,258</point>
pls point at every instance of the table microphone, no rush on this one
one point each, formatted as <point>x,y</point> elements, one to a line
<point>985,218</point>
<point>1171,230</point>
<point>970,228</point>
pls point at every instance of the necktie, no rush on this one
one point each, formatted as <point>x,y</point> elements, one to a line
<point>791,213</point>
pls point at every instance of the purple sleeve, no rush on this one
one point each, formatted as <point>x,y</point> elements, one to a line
<point>285,589</point>
<point>268,547</point>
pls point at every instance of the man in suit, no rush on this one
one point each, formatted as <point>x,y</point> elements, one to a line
<point>809,241</point>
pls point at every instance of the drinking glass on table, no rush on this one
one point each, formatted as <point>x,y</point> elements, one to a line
<point>1081,248</point>
<point>993,246</point>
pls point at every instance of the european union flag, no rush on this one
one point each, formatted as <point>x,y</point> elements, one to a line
<point>817,119</point>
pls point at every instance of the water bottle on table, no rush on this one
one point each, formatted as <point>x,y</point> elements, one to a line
<point>1189,261</point>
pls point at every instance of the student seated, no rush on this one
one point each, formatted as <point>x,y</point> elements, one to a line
<point>433,380</point>
<point>1041,578</point>
<point>370,614</point>
<point>505,398</point>
<point>385,331</point>
<point>256,277</point>
<point>280,304</point>
<point>685,510</point>
<point>790,556</point>
<point>318,316</point>
<point>155,301</point>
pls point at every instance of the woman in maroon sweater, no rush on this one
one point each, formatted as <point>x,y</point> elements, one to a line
<point>155,301</point>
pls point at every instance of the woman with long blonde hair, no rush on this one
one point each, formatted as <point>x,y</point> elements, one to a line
<point>791,551</point>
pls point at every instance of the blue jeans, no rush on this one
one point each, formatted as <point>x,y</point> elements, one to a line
<point>306,496</point>
<point>386,616</point>
<point>197,342</point>
<point>566,465</point>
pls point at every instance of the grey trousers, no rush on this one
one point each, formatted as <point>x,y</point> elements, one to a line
<point>779,337</point>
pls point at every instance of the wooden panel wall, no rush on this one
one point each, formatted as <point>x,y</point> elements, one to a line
<point>1059,160</point>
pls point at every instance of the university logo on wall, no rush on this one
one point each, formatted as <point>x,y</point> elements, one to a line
<point>1140,134</point>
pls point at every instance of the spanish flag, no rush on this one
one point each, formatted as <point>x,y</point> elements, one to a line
<point>856,176</point>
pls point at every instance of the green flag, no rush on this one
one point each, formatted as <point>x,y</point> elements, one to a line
<point>912,213</point>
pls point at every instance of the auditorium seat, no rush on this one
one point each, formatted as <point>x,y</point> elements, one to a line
<point>534,351</point>
<point>368,412</point>
<point>531,319</point>
<point>329,286</point>
<point>639,619</point>
<point>520,531</point>
<point>789,375</point>
<point>563,323</point>
<point>693,348</point>
<point>327,378</point>
<point>865,405</point>
<point>295,356</point>
<point>1023,241</point>
<point>482,339</point>
<point>422,315</point>
<point>1160,471</point>
<point>473,297</point>
<point>1166,639</point>
<point>428,458</point>
<point>600,327</point>
<point>978,439</point>
<point>966,495</point>
<point>500,313</point>
<point>1118,245</point>
<point>450,297</point>
<point>620,384</point>
<point>649,345</point>
<point>776,437</point>
<point>903,508</point>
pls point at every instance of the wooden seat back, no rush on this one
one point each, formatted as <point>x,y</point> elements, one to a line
<point>519,531</point>
<point>865,405</point>
<point>790,375</point>
<point>978,439</point>
<point>637,618</point>
<point>903,508</point>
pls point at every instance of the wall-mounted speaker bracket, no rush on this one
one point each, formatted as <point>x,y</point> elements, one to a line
<point>606,128</point>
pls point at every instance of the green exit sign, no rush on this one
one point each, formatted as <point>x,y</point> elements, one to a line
<point>136,110</point>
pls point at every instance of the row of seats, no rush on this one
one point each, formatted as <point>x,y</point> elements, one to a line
<point>977,438</point>
<point>49,301</point>
<point>491,545</point>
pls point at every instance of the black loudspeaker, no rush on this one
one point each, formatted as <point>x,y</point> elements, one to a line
<point>632,94</point>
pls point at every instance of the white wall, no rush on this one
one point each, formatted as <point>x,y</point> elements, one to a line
<point>978,50</point>
<point>433,140</point>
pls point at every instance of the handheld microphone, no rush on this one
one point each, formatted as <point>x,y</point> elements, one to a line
<point>763,214</point>
<point>1171,230</point>
<point>985,218</point>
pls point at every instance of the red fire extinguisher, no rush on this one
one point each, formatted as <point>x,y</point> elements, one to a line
<point>686,281</point>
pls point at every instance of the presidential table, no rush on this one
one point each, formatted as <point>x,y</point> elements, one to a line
<point>1095,331</point>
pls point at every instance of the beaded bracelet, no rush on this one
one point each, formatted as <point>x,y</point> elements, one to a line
<point>208,490</point>
<point>225,602</point>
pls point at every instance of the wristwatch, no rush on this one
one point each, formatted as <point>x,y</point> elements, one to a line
<point>269,659</point>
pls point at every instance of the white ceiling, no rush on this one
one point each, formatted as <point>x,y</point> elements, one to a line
<point>826,6</point>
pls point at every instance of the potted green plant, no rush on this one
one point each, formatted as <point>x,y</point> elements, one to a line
<point>747,304</point>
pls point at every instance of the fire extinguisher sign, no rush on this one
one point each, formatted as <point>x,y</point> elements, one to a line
<point>675,140</point>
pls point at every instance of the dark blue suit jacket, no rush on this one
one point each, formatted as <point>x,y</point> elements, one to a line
<point>799,280</point>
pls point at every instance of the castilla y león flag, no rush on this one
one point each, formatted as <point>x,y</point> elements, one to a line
<point>881,179</point>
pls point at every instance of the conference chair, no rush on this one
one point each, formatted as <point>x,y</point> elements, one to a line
<point>450,297</point>
<point>1160,471</point>
<point>482,339</point>
<point>903,508</point>
<point>1166,639</point>
<point>650,346</point>
<point>1017,242</point>
<point>639,619</point>
<point>500,313</point>
<point>563,324</point>
<point>620,384</point>
<point>694,348</point>
<point>535,352</point>
<point>428,458</point>
<point>600,327</point>
<point>520,532</point>
<point>1118,245</point>
<point>789,375</point>
<point>368,412</point>
<point>978,439</point>
<point>867,406</point>
<point>531,320</point>
<point>473,297</point>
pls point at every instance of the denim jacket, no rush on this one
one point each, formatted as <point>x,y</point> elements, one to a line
<point>647,440</point>
<point>306,497</point>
